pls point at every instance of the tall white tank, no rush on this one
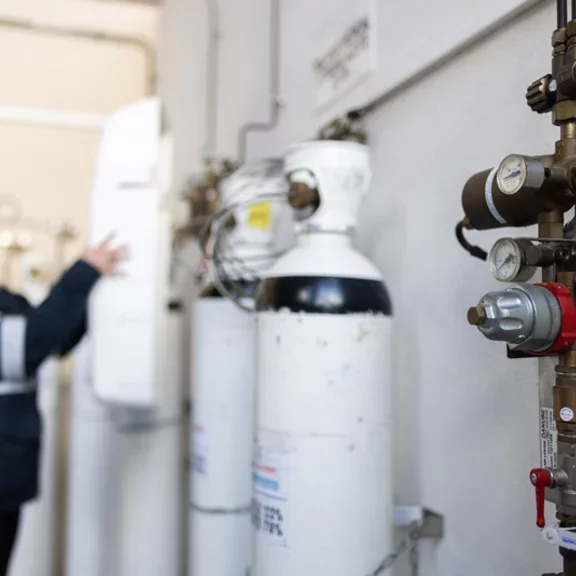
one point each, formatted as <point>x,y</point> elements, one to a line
<point>91,543</point>
<point>323,464</point>
<point>223,373</point>
<point>93,440</point>
<point>136,334</point>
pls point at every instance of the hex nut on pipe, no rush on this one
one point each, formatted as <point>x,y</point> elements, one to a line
<point>559,36</point>
<point>476,316</point>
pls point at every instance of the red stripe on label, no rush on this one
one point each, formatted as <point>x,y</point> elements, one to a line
<point>264,468</point>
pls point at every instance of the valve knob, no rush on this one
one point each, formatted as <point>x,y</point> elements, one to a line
<point>540,96</point>
<point>541,479</point>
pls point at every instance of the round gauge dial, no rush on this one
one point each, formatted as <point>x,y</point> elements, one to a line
<point>512,174</point>
<point>507,261</point>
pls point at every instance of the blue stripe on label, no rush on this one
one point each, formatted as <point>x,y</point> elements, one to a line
<point>266,483</point>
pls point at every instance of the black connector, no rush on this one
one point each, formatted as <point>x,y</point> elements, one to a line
<point>475,251</point>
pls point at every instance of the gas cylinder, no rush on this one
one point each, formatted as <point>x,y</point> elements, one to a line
<point>91,518</point>
<point>322,472</point>
<point>222,389</point>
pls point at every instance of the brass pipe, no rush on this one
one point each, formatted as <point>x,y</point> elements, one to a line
<point>550,225</point>
<point>566,278</point>
<point>568,131</point>
<point>568,359</point>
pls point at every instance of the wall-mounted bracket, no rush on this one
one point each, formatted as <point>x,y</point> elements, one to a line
<point>430,524</point>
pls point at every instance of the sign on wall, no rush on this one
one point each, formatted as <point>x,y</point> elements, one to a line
<point>348,61</point>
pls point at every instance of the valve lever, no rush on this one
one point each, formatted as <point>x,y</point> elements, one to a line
<point>541,479</point>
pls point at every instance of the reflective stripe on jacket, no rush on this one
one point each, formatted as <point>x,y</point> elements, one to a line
<point>28,336</point>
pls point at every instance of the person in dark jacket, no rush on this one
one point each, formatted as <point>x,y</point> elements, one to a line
<point>28,336</point>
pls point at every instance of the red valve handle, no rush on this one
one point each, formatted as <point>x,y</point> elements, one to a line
<point>541,479</point>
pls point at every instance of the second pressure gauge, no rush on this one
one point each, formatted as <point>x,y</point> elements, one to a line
<point>517,172</point>
<point>507,261</point>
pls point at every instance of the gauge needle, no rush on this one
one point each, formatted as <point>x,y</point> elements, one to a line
<point>507,260</point>
<point>513,175</point>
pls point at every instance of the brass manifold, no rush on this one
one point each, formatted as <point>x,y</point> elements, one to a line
<point>543,199</point>
<point>557,193</point>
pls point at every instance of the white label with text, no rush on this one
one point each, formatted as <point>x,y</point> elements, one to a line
<point>548,438</point>
<point>269,473</point>
<point>347,62</point>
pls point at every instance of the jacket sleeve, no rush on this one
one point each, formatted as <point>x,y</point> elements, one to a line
<point>58,324</point>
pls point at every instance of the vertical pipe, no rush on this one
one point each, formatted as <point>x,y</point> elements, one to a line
<point>562,13</point>
<point>573,10</point>
<point>274,79</point>
<point>212,79</point>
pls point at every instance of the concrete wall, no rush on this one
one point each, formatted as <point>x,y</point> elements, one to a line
<point>467,418</point>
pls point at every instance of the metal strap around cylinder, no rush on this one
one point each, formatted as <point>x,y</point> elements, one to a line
<point>221,511</point>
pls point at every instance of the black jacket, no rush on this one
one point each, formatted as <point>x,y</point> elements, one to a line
<point>53,328</point>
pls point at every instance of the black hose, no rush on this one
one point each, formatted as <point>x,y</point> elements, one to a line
<point>475,251</point>
<point>562,13</point>
<point>573,14</point>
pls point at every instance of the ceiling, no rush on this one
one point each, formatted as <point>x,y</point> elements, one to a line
<point>125,17</point>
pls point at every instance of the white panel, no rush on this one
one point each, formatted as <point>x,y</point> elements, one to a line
<point>351,55</point>
<point>123,310</point>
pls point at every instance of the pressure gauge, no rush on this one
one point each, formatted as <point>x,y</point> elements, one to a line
<point>520,172</point>
<point>507,261</point>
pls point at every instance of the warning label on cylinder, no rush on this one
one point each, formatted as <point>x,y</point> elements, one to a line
<point>270,496</point>
<point>260,215</point>
<point>548,438</point>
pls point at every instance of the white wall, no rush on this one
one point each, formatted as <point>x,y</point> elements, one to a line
<point>467,418</point>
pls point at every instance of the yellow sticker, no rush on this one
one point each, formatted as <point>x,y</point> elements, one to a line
<point>260,215</point>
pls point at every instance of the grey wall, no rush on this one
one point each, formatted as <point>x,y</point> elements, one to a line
<point>467,418</point>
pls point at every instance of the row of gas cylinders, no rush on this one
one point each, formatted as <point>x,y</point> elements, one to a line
<point>291,466</point>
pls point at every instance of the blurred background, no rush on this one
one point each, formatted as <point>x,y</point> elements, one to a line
<point>441,86</point>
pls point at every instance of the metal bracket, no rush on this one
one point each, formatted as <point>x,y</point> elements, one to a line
<point>430,524</point>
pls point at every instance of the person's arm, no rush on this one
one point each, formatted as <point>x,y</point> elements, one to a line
<point>59,322</point>
<point>28,336</point>
<point>76,337</point>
